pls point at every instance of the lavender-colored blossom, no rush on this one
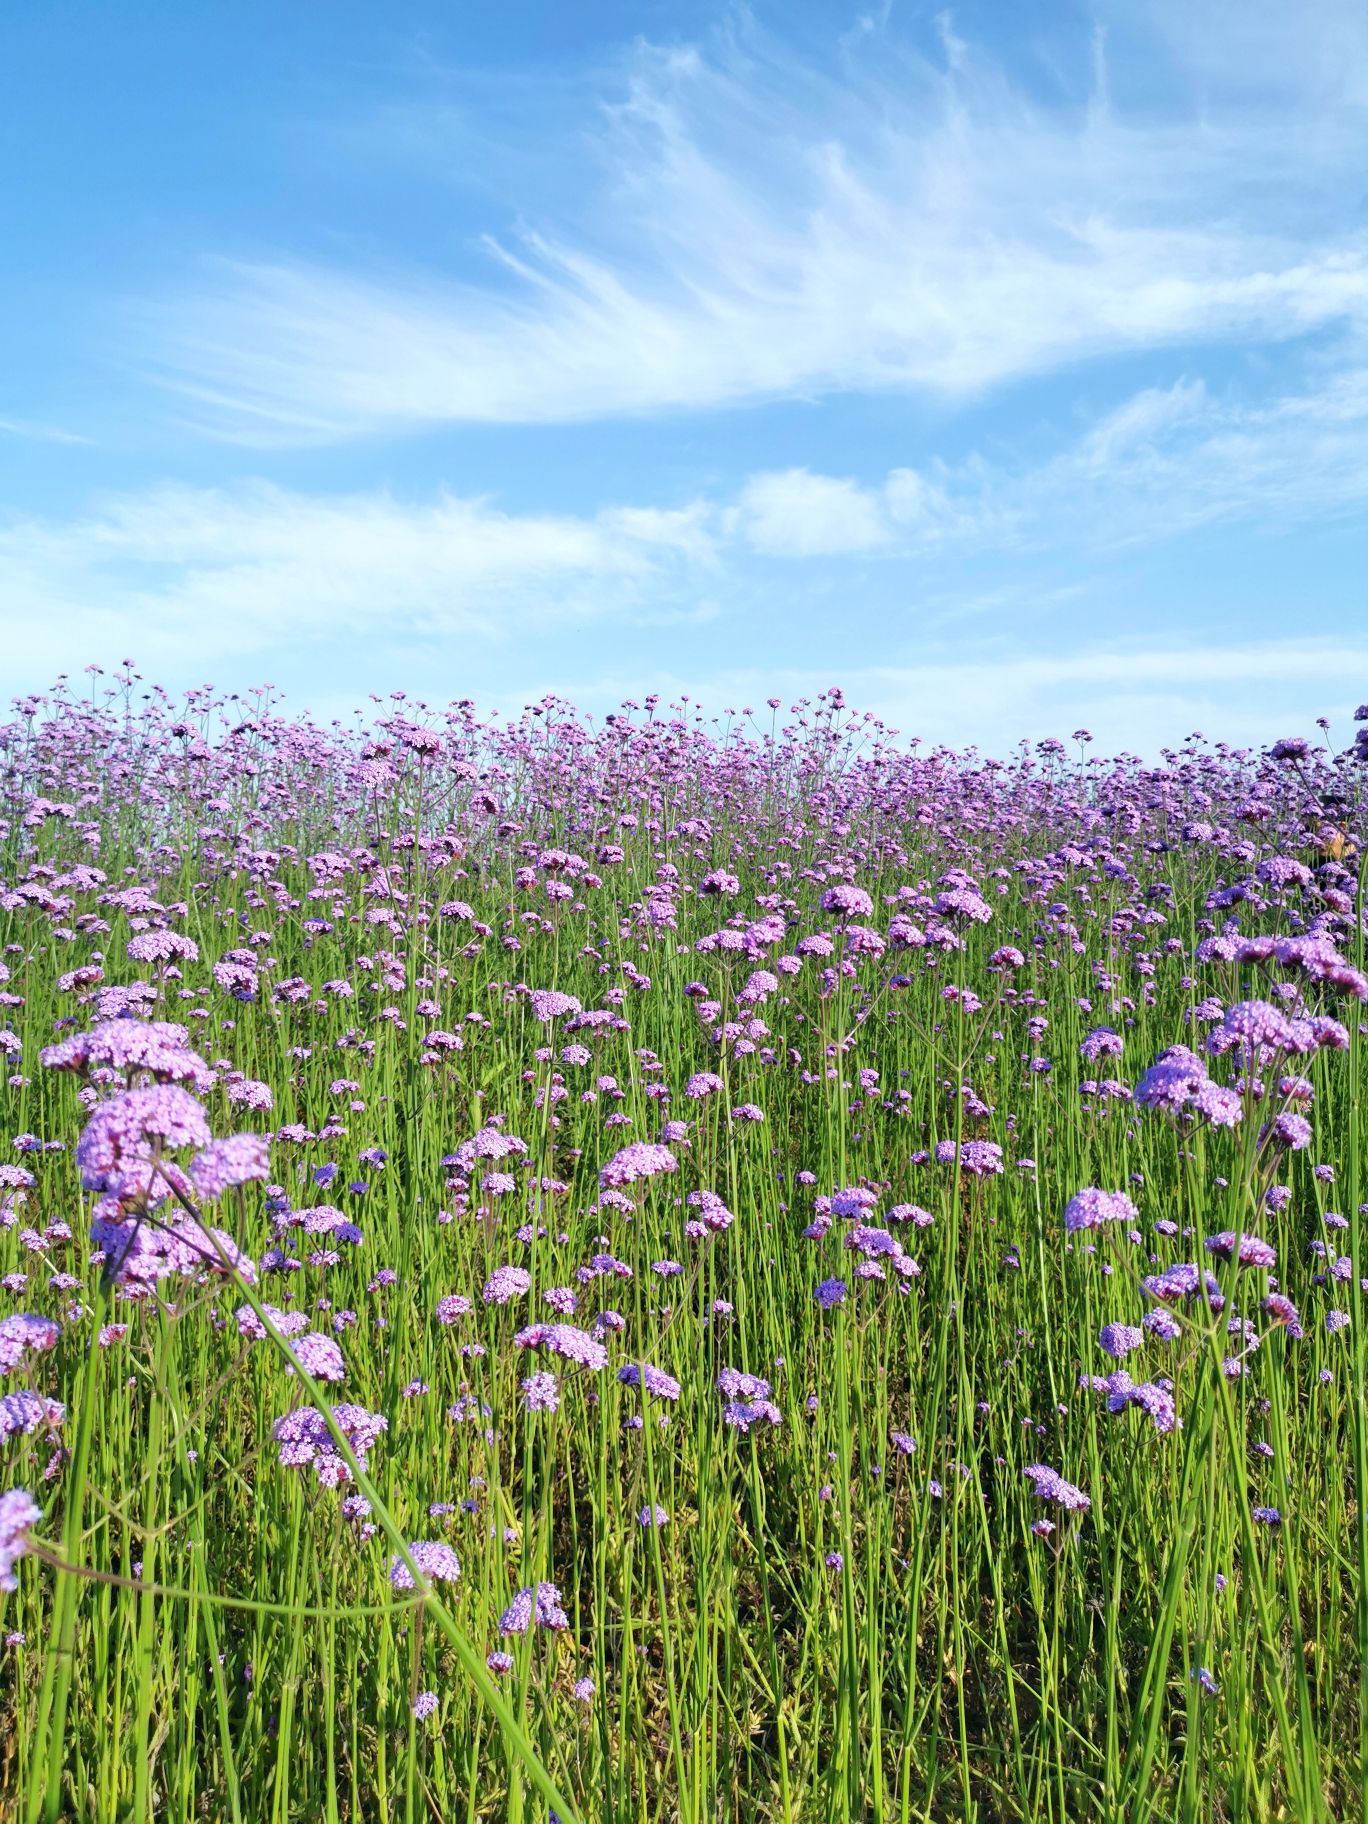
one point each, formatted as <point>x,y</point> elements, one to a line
<point>305,1440</point>
<point>540,1603</point>
<point>506,1283</point>
<point>564,1340</point>
<point>850,902</point>
<point>658,1384</point>
<point>23,1334</point>
<point>319,1356</point>
<point>130,1047</point>
<point>541,1392</point>
<point>226,1164</point>
<point>1048,1485</point>
<point>120,1149</point>
<point>434,1558</point>
<point>1251,1250</point>
<point>25,1412</point>
<point>640,1159</point>
<point>18,1512</point>
<point>1090,1208</point>
<point>1118,1340</point>
<point>550,1004</point>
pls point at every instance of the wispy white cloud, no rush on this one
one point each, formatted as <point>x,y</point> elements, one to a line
<point>754,227</point>
<point>256,567</point>
<point>38,433</point>
<point>1165,461</point>
<point>198,583</point>
<point>793,513</point>
<point>206,573</point>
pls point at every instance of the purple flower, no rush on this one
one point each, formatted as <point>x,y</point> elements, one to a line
<point>1118,1340</point>
<point>24,1334</point>
<point>851,902</point>
<point>304,1439</point>
<point>640,1159</point>
<point>1221,1107</point>
<point>153,1048</point>
<point>1172,1082</point>
<point>550,1004</point>
<point>566,1341</point>
<point>541,1603</point>
<point>541,1392</point>
<point>703,1083</point>
<point>434,1558</point>
<point>1048,1485</point>
<point>517,1617</point>
<point>1184,1280</point>
<point>162,947</point>
<point>1252,1250</point>
<point>1152,1397</point>
<point>855,1200</point>
<point>119,1151</point>
<point>18,1512</point>
<point>979,1158</point>
<point>1284,1313</point>
<point>139,1250</point>
<point>963,902</point>
<point>23,1413</point>
<point>319,1356</point>
<point>506,1283</point>
<point>1163,1324</point>
<point>1088,1209</point>
<point>226,1164</point>
<point>656,1382</point>
<point>1290,1132</point>
<point>742,1414</point>
<point>720,883</point>
<point>1101,1042</point>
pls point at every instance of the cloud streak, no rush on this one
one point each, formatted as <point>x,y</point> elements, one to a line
<point>194,572</point>
<point>754,227</point>
<point>253,567</point>
<point>1166,461</point>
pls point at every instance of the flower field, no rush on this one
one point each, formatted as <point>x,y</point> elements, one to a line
<point>676,1267</point>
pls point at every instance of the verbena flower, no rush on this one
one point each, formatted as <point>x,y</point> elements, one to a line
<point>18,1512</point>
<point>434,1558</point>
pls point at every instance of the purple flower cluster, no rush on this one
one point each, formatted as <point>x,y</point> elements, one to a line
<point>434,1558</point>
<point>540,1604</point>
<point>1048,1485</point>
<point>305,1439</point>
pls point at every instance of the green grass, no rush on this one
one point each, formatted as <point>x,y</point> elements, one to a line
<point>206,1637</point>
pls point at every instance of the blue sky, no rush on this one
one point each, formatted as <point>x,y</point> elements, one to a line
<point>1005,364</point>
